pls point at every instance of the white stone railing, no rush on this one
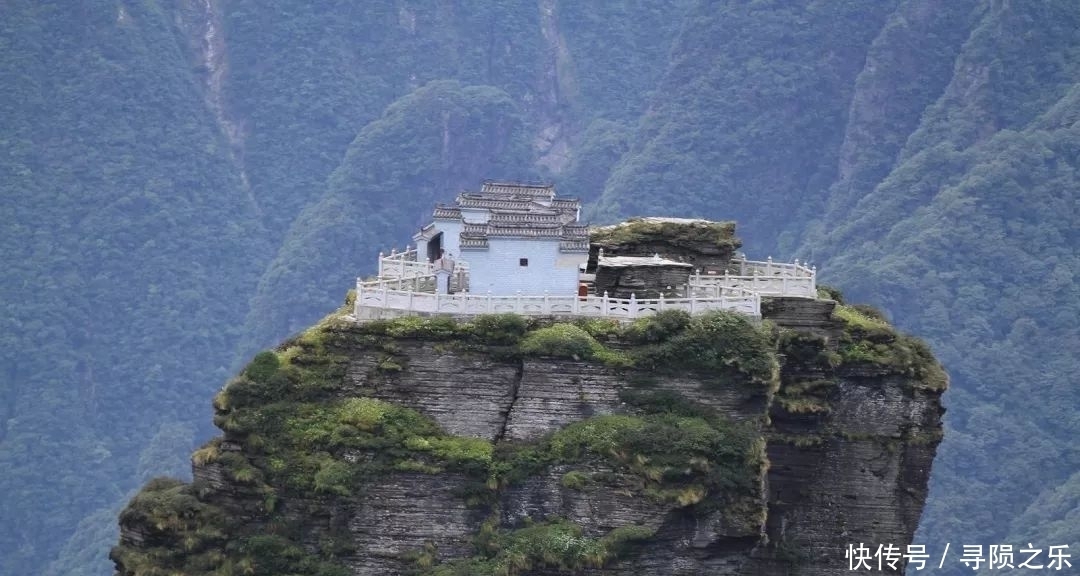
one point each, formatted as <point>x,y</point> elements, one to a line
<point>413,284</point>
<point>405,265</point>
<point>374,301</point>
<point>770,268</point>
<point>783,283</point>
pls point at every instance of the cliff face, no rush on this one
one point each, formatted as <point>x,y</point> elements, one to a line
<point>679,445</point>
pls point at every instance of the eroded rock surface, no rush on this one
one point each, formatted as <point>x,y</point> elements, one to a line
<point>847,447</point>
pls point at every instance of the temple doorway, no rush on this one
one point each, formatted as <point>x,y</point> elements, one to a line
<point>434,247</point>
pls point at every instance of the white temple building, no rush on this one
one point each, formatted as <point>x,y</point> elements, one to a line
<point>516,238</point>
<point>519,248</point>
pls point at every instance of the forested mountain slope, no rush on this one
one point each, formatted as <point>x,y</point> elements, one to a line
<point>128,248</point>
<point>973,239</point>
<point>441,136</point>
<point>748,119</point>
<point>185,181</point>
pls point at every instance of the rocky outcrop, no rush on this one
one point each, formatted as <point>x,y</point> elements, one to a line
<point>401,513</point>
<point>811,316</point>
<point>703,244</point>
<point>651,278</point>
<point>856,476</point>
<point>466,394</point>
<point>845,449</point>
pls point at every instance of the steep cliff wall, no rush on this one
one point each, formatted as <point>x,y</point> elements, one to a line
<point>678,445</point>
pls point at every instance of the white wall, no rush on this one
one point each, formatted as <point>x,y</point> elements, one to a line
<point>497,269</point>
<point>421,250</point>
<point>451,241</point>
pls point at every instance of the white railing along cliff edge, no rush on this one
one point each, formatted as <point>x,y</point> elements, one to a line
<point>765,278</point>
<point>374,297</point>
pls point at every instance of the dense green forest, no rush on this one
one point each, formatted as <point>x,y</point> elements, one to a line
<point>186,181</point>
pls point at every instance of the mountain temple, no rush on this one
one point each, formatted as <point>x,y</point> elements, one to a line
<point>520,248</point>
<point>515,238</point>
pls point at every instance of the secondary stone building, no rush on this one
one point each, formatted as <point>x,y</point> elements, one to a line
<point>515,238</point>
<point>642,277</point>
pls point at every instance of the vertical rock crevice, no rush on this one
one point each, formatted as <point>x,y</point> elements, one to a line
<point>515,388</point>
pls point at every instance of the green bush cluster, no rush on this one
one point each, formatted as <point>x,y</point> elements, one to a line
<point>490,329</point>
<point>556,545</point>
<point>826,292</point>
<point>600,328</point>
<point>575,480</point>
<point>727,344</point>
<point>864,318</point>
<point>183,534</point>
<point>561,340</point>
<point>806,350</point>
<point>168,505</point>
<point>499,329</point>
<point>724,344</point>
<point>806,390</point>
<point>307,367</point>
<point>303,444</point>
<point>869,339</point>
<point>564,340</point>
<point>273,554</point>
<point>660,327</point>
<point>671,455</point>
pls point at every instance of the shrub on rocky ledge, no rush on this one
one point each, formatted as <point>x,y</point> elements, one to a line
<point>868,340</point>
<point>558,545</point>
<point>562,341</point>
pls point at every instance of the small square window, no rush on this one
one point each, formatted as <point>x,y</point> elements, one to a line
<point>523,261</point>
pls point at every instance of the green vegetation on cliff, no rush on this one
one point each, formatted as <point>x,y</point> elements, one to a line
<point>184,534</point>
<point>868,339</point>
<point>558,545</point>
<point>293,432</point>
<point>301,433</point>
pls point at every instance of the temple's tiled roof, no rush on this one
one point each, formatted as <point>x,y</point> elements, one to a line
<point>520,217</point>
<point>445,212</point>
<point>518,211</point>
<point>517,189</point>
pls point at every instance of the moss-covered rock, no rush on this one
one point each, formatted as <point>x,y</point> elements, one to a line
<point>695,234</point>
<point>701,243</point>
<point>315,426</point>
<point>870,342</point>
<point>557,545</point>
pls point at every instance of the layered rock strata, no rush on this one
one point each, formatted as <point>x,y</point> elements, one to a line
<point>846,440</point>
